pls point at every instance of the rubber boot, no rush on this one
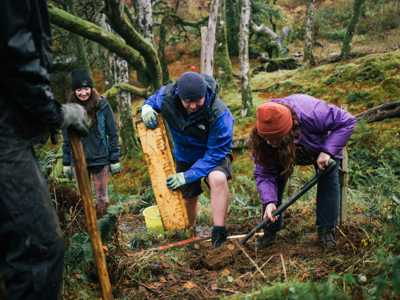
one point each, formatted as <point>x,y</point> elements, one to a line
<point>327,238</point>
<point>218,236</point>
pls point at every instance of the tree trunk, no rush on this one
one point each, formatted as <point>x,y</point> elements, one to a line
<point>116,14</point>
<point>161,50</point>
<point>223,61</point>
<point>97,34</point>
<point>145,18</point>
<point>232,26</point>
<point>351,28</point>
<point>309,33</point>
<point>207,62</point>
<point>145,23</point>
<point>119,87</point>
<point>79,49</point>
<point>120,75</point>
<point>247,101</point>
<point>130,143</point>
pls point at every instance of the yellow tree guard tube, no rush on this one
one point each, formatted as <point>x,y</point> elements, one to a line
<point>158,157</point>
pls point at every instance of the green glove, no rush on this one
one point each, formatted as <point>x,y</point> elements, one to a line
<point>115,168</point>
<point>175,181</point>
<point>149,116</point>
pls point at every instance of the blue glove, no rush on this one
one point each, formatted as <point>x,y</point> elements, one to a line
<point>115,168</point>
<point>175,181</point>
<point>149,116</point>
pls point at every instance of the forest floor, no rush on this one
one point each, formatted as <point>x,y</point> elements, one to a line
<point>185,274</point>
<point>139,271</point>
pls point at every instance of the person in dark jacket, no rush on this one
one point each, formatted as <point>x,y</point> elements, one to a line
<point>201,127</point>
<point>302,130</point>
<point>31,244</point>
<point>101,146</point>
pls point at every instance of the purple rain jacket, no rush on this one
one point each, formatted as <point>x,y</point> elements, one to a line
<point>323,128</point>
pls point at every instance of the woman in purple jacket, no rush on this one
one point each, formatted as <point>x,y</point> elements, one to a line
<point>299,130</point>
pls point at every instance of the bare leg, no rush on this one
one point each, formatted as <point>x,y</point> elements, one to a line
<point>219,196</point>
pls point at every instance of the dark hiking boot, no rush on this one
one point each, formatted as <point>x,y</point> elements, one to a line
<point>218,236</point>
<point>266,240</point>
<point>327,238</point>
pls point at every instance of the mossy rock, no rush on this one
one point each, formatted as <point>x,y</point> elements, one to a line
<point>371,71</point>
<point>358,96</point>
<point>392,85</point>
<point>341,74</point>
<point>285,63</point>
<point>286,86</point>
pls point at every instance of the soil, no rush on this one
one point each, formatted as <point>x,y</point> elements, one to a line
<point>197,271</point>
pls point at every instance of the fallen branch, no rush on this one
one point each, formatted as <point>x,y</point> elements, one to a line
<point>268,260</point>
<point>195,239</point>
<point>125,87</point>
<point>263,265</point>
<point>381,112</point>
<point>251,260</point>
<point>396,200</point>
<point>147,287</point>
<point>345,236</point>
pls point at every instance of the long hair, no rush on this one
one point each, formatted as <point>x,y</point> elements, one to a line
<point>91,105</point>
<point>284,154</point>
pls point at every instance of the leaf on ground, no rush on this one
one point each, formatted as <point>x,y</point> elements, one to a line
<point>190,285</point>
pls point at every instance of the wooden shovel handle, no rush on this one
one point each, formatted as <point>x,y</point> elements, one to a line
<point>90,213</point>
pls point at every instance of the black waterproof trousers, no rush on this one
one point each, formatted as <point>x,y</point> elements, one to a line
<point>31,245</point>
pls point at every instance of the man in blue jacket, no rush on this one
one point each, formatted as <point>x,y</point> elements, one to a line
<point>201,127</point>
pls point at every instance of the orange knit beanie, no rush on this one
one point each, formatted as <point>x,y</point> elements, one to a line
<point>273,120</point>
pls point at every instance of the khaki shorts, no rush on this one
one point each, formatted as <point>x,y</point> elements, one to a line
<point>192,190</point>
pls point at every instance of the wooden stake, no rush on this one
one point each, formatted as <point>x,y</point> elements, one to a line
<point>90,214</point>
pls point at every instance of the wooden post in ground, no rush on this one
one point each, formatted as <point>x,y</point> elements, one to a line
<point>90,214</point>
<point>158,157</point>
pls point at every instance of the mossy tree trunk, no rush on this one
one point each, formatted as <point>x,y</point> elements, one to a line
<point>161,49</point>
<point>99,35</point>
<point>207,59</point>
<point>232,26</point>
<point>223,61</point>
<point>247,101</point>
<point>119,23</point>
<point>82,61</point>
<point>309,33</point>
<point>120,76</point>
<point>351,28</point>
